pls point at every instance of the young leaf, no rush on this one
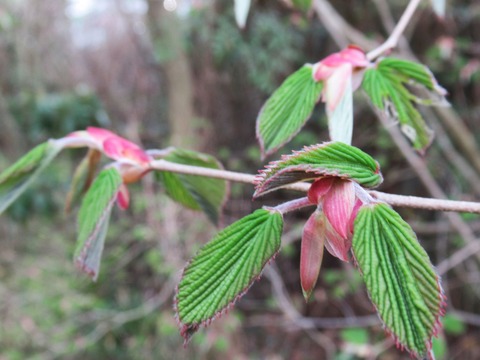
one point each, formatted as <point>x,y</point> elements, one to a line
<point>340,115</point>
<point>287,110</point>
<point>387,87</point>
<point>400,279</point>
<point>195,192</point>
<point>93,219</point>
<point>82,178</point>
<point>327,159</point>
<point>241,12</point>
<point>19,176</point>
<point>223,270</point>
<point>311,252</point>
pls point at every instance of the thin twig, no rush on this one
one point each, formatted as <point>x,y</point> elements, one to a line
<point>396,34</point>
<point>341,31</point>
<point>395,200</point>
<point>472,246</point>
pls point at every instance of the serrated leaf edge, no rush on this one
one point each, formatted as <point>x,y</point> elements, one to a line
<point>187,330</point>
<point>441,312</point>
<point>260,140</point>
<point>263,176</point>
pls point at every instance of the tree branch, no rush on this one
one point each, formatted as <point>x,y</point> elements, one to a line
<point>397,32</point>
<point>395,200</point>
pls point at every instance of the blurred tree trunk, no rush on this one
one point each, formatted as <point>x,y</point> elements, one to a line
<point>11,140</point>
<point>167,37</point>
<point>167,40</point>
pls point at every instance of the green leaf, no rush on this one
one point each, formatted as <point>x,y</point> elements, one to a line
<point>82,178</point>
<point>390,86</point>
<point>287,110</point>
<point>195,192</point>
<point>453,325</point>
<point>93,219</point>
<point>440,348</point>
<point>302,5</point>
<point>327,159</point>
<point>400,279</point>
<point>224,269</point>
<point>19,176</point>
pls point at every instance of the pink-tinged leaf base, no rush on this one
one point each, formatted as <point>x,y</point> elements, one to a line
<point>335,244</point>
<point>311,254</point>
<point>338,206</point>
<point>121,149</point>
<point>123,197</point>
<point>352,56</point>
<point>112,145</point>
<point>331,159</point>
<point>319,188</point>
<point>336,85</point>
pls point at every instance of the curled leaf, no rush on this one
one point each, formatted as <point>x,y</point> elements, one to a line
<point>82,178</point>
<point>339,101</point>
<point>311,253</point>
<point>390,87</point>
<point>338,206</point>
<point>93,219</point>
<point>328,159</point>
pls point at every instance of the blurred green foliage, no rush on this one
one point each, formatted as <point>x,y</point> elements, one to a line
<point>355,336</point>
<point>261,53</point>
<point>57,114</point>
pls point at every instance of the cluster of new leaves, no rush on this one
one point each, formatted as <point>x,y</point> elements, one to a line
<point>399,276</point>
<point>346,221</point>
<point>394,86</point>
<point>97,193</point>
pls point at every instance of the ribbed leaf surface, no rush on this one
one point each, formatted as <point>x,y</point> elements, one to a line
<point>387,85</point>
<point>224,269</point>
<point>327,159</point>
<point>287,110</point>
<point>18,177</point>
<point>195,192</point>
<point>93,219</point>
<point>400,279</point>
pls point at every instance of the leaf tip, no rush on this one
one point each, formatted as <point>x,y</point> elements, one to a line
<point>187,331</point>
<point>81,265</point>
<point>307,295</point>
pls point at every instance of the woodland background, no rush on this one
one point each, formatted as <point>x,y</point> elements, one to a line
<point>194,79</point>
